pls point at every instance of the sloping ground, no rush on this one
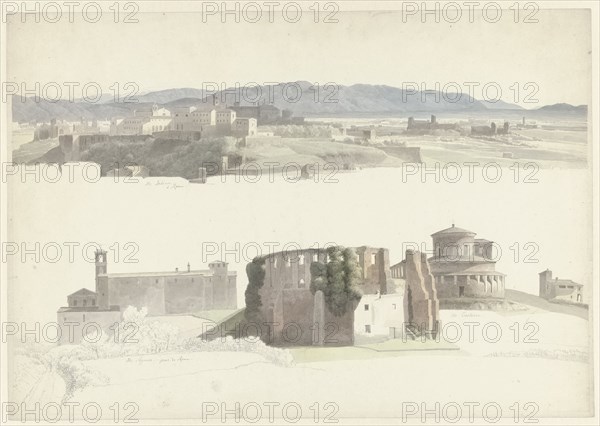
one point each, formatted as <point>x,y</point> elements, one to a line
<point>46,151</point>
<point>215,315</point>
<point>187,325</point>
<point>54,155</point>
<point>310,151</point>
<point>538,302</point>
<point>232,324</point>
<point>473,303</point>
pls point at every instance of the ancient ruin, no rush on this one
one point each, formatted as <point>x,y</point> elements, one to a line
<point>421,305</point>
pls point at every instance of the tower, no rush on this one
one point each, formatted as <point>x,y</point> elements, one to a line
<point>220,285</point>
<point>100,261</point>
<point>545,277</point>
<point>218,267</point>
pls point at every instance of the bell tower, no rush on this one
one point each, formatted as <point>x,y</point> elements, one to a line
<point>100,260</point>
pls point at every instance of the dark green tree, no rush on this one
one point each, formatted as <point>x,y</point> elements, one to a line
<point>255,271</point>
<point>339,279</point>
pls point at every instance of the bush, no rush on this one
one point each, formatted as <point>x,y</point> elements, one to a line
<point>161,157</point>
<point>277,356</point>
<point>256,279</point>
<point>338,279</point>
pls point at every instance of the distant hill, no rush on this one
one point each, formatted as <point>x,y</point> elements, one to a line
<point>301,97</point>
<point>170,95</point>
<point>501,105</point>
<point>27,109</point>
<point>564,108</point>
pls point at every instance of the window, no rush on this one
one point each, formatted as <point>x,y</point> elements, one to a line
<point>301,261</point>
<point>367,328</point>
<point>315,257</point>
<point>93,302</point>
<point>84,302</point>
<point>301,283</point>
<point>366,307</point>
<point>74,302</point>
<point>373,258</point>
<point>562,286</point>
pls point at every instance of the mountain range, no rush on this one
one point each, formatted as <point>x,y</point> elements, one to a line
<point>302,98</point>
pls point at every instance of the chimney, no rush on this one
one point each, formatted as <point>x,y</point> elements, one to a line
<point>176,269</point>
<point>188,266</point>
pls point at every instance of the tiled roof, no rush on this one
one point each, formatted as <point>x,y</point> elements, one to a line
<point>83,292</point>
<point>87,309</point>
<point>565,282</point>
<point>453,230</point>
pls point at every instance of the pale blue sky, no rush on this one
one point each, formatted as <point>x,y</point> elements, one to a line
<point>169,50</point>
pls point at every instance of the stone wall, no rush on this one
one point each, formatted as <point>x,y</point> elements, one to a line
<point>375,266</point>
<point>421,305</point>
<point>289,305</point>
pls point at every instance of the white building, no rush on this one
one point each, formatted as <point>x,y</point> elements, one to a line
<point>83,320</point>
<point>145,121</point>
<point>380,315</point>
